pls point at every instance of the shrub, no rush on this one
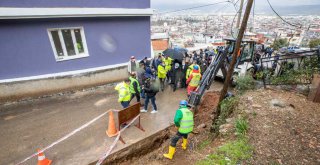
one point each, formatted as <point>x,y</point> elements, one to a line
<point>241,126</point>
<point>226,106</point>
<point>245,83</point>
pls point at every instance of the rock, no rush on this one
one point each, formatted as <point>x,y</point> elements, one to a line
<point>277,103</point>
<point>230,120</point>
<point>247,111</point>
<point>259,84</point>
<point>201,126</point>
<point>256,106</point>
<point>225,129</point>
<point>303,89</point>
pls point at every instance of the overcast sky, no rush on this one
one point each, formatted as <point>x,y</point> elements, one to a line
<point>159,3</point>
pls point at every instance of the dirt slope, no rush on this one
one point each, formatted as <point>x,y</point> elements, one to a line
<point>288,133</point>
<point>284,129</point>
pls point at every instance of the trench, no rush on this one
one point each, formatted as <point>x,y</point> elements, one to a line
<point>155,141</point>
<point>139,148</point>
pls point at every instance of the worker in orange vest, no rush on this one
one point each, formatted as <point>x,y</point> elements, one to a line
<point>194,79</point>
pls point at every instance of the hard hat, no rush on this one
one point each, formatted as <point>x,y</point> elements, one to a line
<point>196,67</point>
<point>183,102</point>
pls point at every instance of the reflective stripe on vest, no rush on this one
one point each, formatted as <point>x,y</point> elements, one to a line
<point>195,79</point>
<point>41,157</point>
<point>186,123</point>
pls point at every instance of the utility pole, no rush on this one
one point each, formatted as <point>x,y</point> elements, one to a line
<point>239,15</point>
<point>234,57</point>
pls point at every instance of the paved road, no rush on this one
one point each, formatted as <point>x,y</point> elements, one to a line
<point>27,126</point>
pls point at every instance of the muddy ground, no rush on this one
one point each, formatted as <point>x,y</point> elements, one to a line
<point>284,129</point>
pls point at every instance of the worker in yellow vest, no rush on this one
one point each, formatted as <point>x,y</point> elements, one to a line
<point>194,79</point>
<point>168,62</point>
<point>124,93</point>
<point>134,87</point>
<point>183,119</point>
<point>162,74</point>
<point>190,69</point>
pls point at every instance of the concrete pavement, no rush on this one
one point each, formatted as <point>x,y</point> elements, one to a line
<point>27,126</point>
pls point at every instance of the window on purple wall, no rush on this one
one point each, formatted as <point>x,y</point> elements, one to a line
<point>68,43</point>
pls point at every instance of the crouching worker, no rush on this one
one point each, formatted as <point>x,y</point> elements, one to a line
<point>184,121</point>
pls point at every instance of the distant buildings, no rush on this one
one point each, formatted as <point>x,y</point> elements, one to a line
<point>212,29</point>
<point>160,42</point>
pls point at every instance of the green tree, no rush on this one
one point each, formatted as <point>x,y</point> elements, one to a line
<point>279,43</point>
<point>314,43</point>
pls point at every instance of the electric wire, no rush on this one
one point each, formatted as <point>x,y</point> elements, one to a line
<point>195,7</point>
<point>231,28</point>
<point>298,26</point>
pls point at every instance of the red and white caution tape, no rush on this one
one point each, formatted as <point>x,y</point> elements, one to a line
<point>64,138</point>
<point>109,149</point>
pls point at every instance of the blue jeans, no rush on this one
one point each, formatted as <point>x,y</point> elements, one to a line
<point>142,94</point>
<point>153,102</point>
<point>125,104</point>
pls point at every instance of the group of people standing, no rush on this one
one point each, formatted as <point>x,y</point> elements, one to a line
<point>149,76</point>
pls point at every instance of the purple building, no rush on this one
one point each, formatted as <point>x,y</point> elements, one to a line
<point>49,46</point>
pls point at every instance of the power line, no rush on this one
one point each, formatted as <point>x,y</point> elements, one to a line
<point>231,30</point>
<point>299,26</point>
<point>195,7</point>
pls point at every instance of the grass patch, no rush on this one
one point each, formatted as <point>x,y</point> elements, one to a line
<point>230,153</point>
<point>241,126</point>
<point>245,83</point>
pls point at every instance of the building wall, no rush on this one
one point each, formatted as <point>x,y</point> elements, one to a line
<point>77,3</point>
<point>26,49</point>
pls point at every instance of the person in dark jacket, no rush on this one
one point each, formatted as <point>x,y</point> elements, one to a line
<point>176,75</point>
<point>149,73</point>
<point>141,76</point>
<point>184,68</point>
<point>151,88</point>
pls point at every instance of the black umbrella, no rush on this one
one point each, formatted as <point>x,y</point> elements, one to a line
<point>175,54</point>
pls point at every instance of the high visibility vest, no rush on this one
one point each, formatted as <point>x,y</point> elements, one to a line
<point>196,77</point>
<point>186,123</point>
<point>131,88</point>
<point>167,63</point>
<point>190,69</point>
<point>124,92</point>
<point>161,72</point>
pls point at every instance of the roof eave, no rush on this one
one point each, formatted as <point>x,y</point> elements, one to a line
<point>34,13</point>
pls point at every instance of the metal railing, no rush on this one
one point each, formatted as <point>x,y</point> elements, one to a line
<point>291,68</point>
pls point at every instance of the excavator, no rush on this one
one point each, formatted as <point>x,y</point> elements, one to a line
<point>219,65</point>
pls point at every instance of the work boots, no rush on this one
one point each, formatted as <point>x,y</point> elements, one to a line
<point>184,143</point>
<point>171,153</point>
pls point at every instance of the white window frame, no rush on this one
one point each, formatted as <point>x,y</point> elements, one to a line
<point>65,56</point>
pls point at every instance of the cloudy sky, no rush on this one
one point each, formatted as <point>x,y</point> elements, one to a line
<point>261,6</point>
<point>157,3</point>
